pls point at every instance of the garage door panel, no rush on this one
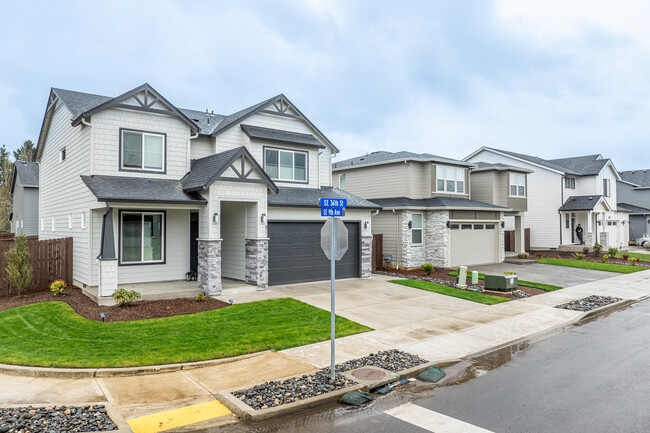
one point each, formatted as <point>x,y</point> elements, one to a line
<point>474,246</point>
<point>295,254</point>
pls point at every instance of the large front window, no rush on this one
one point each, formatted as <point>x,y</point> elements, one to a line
<point>450,179</point>
<point>517,185</point>
<point>285,165</point>
<point>142,237</point>
<point>143,151</point>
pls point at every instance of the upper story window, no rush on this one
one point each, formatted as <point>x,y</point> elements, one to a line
<point>142,151</point>
<point>606,189</point>
<point>416,228</point>
<point>570,182</point>
<point>286,165</point>
<point>342,180</point>
<point>450,179</point>
<point>62,154</point>
<point>517,185</point>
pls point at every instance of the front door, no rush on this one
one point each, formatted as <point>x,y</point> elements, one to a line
<point>573,228</point>
<point>194,243</point>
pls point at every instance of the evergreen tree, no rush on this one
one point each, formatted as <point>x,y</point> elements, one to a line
<point>27,152</point>
<point>19,271</point>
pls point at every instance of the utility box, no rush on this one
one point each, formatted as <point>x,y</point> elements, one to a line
<point>502,283</point>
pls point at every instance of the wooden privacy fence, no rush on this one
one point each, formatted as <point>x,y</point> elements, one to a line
<point>50,259</point>
<point>377,251</point>
<point>510,240</point>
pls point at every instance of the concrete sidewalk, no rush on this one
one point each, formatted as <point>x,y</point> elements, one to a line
<point>436,327</point>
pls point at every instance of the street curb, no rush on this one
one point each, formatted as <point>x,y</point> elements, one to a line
<point>610,307</point>
<point>89,373</point>
<point>251,415</point>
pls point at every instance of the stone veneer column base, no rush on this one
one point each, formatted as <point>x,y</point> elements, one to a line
<point>589,239</point>
<point>107,277</point>
<point>604,239</point>
<point>209,269</point>
<point>257,263</point>
<point>366,256</point>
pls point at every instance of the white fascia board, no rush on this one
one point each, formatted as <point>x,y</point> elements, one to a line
<point>517,159</point>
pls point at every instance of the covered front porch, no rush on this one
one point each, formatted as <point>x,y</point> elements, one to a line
<point>600,223</point>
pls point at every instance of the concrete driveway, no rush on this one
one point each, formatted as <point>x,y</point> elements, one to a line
<point>547,274</point>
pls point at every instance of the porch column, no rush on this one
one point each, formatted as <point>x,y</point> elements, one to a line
<point>106,260</point>
<point>366,256</point>
<point>257,262</point>
<point>209,267</point>
<point>520,235</point>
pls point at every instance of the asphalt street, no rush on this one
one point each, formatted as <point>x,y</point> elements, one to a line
<point>592,378</point>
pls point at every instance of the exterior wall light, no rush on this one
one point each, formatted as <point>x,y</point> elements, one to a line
<point>215,217</point>
<point>365,224</point>
<point>503,224</point>
<point>263,219</point>
<point>448,223</point>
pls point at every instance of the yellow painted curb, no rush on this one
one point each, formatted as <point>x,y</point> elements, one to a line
<point>180,417</point>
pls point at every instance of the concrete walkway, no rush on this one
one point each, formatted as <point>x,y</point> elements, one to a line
<point>436,327</point>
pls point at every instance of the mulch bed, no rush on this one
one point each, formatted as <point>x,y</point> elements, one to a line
<point>589,257</point>
<point>86,307</point>
<point>443,274</point>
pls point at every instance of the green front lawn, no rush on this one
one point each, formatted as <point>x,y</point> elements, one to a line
<point>532,285</point>
<point>641,256</point>
<point>597,266</point>
<point>52,334</point>
<point>450,291</point>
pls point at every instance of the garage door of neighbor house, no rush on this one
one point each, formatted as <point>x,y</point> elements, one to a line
<point>474,243</point>
<point>295,254</point>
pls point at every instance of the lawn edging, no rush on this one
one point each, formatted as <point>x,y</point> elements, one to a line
<point>595,266</point>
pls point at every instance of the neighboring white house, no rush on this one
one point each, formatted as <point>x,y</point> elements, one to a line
<point>429,213</point>
<point>633,192</point>
<point>151,192</point>
<point>24,191</point>
<point>563,193</point>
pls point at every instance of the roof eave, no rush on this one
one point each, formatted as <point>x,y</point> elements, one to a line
<point>392,161</point>
<point>489,149</point>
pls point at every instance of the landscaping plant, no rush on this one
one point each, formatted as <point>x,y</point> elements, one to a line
<point>598,248</point>
<point>19,271</point>
<point>585,250</point>
<point>625,256</point>
<point>522,255</point>
<point>428,268</point>
<point>57,287</point>
<point>634,261</point>
<point>612,252</point>
<point>605,258</point>
<point>200,297</point>
<point>123,298</point>
<point>578,256</point>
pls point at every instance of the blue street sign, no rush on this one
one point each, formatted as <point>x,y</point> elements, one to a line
<point>333,202</point>
<point>332,211</point>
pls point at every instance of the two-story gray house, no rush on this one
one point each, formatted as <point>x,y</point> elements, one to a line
<point>633,191</point>
<point>431,213</point>
<point>151,192</point>
<point>24,192</point>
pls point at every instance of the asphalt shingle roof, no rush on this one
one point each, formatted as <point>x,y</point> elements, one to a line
<point>276,135</point>
<point>637,177</point>
<point>79,102</point>
<point>383,156</point>
<point>442,202</point>
<point>500,166</point>
<point>310,197</point>
<point>142,190</point>
<point>587,165</point>
<point>626,207</point>
<point>27,173</point>
<point>581,202</point>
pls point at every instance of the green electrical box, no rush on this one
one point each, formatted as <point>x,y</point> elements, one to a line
<point>503,283</point>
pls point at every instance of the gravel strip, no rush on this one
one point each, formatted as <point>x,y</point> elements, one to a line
<point>55,419</point>
<point>521,294</point>
<point>277,393</point>
<point>440,281</point>
<point>590,303</point>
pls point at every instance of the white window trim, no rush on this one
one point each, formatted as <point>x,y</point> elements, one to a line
<point>420,229</point>
<point>293,164</point>
<point>53,225</point>
<point>607,192</point>
<point>570,180</point>
<point>342,180</point>
<point>70,221</point>
<point>61,157</point>
<point>517,176</point>
<point>83,220</point>
<point>163,169</point>
<point>162,245</point>
<point>42,224</point>
<point>455,179</point>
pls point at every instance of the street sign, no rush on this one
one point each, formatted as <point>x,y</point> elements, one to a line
<point>333,202</point>
<point>341,239</point>
<point>332,211</point>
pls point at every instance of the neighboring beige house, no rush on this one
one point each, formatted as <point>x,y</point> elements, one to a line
<point>24,192</point>
<point>151,192</point>
<point>431,213</point>
<point>563,193</point>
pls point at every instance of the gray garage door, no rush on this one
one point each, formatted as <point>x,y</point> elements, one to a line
<point>295,255</point>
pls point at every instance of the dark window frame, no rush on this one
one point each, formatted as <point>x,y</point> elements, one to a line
<point>119,237</point>
<point>142,170</point>
<point>306,152</point>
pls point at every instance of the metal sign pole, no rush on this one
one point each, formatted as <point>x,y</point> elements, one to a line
<point>333,276</point>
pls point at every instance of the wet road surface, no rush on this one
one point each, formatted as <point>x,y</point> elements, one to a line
<point>592,378</point>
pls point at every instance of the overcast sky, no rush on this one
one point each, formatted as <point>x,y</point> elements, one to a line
<point>556,79</point>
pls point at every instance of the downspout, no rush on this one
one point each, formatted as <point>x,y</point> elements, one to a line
<point>397,236</point>
<point>559,211</point>
<point>320,152</point>
<point>92,159</point>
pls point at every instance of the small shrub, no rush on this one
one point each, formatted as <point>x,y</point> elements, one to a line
<point>578,256</point>
<point>428,268</point>
<point>625,256</point>
<point>124,298</point>
<point>612,252</point>
<point>605,258</point>
<point>57,287</point>
<point>585,250</point>
<point>19,271</point>
<point>522,255</point>
<point>598,248</point>
<point>200,297</point>
<point>509,273</point>
<point>634,261</point>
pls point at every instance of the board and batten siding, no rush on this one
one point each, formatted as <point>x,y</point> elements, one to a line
<point>62,194</point>
<point>386,223</point>
<point>380,181</point>
<point>318,159</point>
<point>544,194</point>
